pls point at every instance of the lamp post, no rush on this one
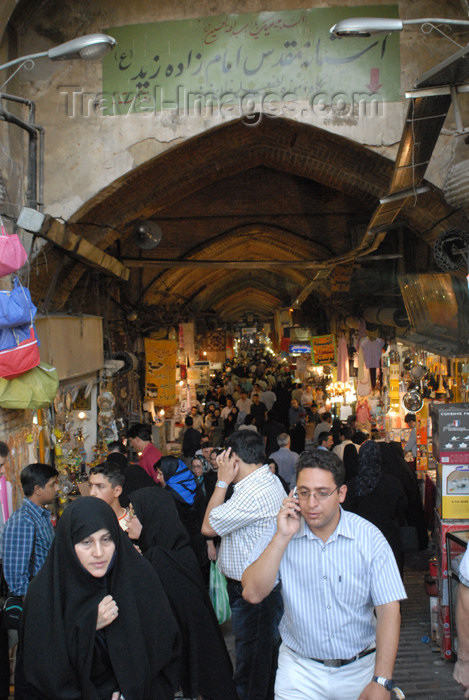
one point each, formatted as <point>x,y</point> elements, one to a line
<point>88,48</point>
<point>369,26</point>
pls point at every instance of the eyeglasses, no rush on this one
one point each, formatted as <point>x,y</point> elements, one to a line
<point>319,494</point>
<point>131,513</point>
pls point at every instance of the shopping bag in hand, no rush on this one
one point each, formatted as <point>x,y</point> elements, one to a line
<point>219,594</point>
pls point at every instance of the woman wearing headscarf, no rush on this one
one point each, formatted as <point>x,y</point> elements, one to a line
<point>91,628</point>
<point>206,667</point>
<point>177,479</point>
<point>394,463</point>
<point>378,497</point>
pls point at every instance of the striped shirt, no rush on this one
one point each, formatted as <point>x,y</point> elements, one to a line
<point>245,517</point>
<point>18,538</point>
<point>329,589</point>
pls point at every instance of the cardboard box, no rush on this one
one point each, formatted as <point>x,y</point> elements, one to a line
<point>453,491</point>
<point>450,431</point>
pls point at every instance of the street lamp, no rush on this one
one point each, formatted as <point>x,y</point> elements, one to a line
<point>368,26</point>
<point>89,47</point>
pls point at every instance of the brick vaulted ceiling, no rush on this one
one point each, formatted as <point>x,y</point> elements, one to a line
<point>253,219</point>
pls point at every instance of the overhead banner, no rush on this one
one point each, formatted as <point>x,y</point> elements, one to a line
<point>160,377</point>
<point>323,349</point>
<point>266,59</point>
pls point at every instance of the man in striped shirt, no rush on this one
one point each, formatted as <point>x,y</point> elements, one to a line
<point>27,537</point>
<point>241,522</point>
<point>336,571</point>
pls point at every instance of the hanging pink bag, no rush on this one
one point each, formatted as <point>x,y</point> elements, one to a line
<point>12,253</point>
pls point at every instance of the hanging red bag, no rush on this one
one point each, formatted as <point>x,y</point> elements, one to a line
<point>23,357</point>
<point>12,252</point>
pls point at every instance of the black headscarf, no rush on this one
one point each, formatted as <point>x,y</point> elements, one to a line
<point>206,665</point>
<point>369,468</point>
<point>60,613</point>
<point>157,512</point>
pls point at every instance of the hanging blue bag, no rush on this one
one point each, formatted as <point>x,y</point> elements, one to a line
<point>11,337</point>
<point>16,307</point>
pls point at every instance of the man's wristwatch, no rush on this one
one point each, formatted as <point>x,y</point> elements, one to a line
<point>222,484</point>
<point>385,682</point>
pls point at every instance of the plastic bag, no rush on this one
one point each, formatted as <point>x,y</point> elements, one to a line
<point>33,389</point>
<point>219,594</point>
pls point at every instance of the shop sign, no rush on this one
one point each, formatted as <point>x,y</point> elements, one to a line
<point>273,59</point>
<point>160,379</point>
<point>323,350</point>
<point>300,348</point>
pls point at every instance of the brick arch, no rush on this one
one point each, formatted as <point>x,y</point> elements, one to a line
<point>249,242</point>
<point>280,145</point>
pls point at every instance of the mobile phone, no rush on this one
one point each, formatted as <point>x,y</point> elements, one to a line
<point>295,493</point>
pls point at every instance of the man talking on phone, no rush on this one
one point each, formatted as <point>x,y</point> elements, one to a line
<point>337,571</point>
<point>241,522</point>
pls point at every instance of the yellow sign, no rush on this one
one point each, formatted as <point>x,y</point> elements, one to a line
<point>323,349</point>
<point>160,379</point>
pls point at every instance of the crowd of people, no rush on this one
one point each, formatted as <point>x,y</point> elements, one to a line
<point>302,515</point>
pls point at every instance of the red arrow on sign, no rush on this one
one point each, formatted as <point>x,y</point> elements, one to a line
<point>374,84</point>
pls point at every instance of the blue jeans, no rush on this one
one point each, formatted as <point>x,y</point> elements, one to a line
<point>257,640</point>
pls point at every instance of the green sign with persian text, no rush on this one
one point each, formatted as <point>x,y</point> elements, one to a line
<point>249,61</point>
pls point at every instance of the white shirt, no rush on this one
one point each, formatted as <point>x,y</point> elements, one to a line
<point>339,449</point>
<point>245,517</point>
<point>226,412</point>
<point>411,444</point>
<point>330,589</point>
<point>323,427</point>
<point>197,421</point>
<point>244,405</point>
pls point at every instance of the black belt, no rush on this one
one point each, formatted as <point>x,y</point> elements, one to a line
<point>232,580</point>
<point>337,663</point>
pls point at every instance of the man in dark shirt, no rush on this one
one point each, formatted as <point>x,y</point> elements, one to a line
<point>272,429</point>
<point>258,411</point>
<point>191,439</point>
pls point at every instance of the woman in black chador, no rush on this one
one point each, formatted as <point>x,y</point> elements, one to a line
<point>206,666</point>
<point>97,624</point>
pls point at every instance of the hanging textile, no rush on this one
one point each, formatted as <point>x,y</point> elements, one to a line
<point>372,350</point>
<point>363,381</point>
<point>343,374</point>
